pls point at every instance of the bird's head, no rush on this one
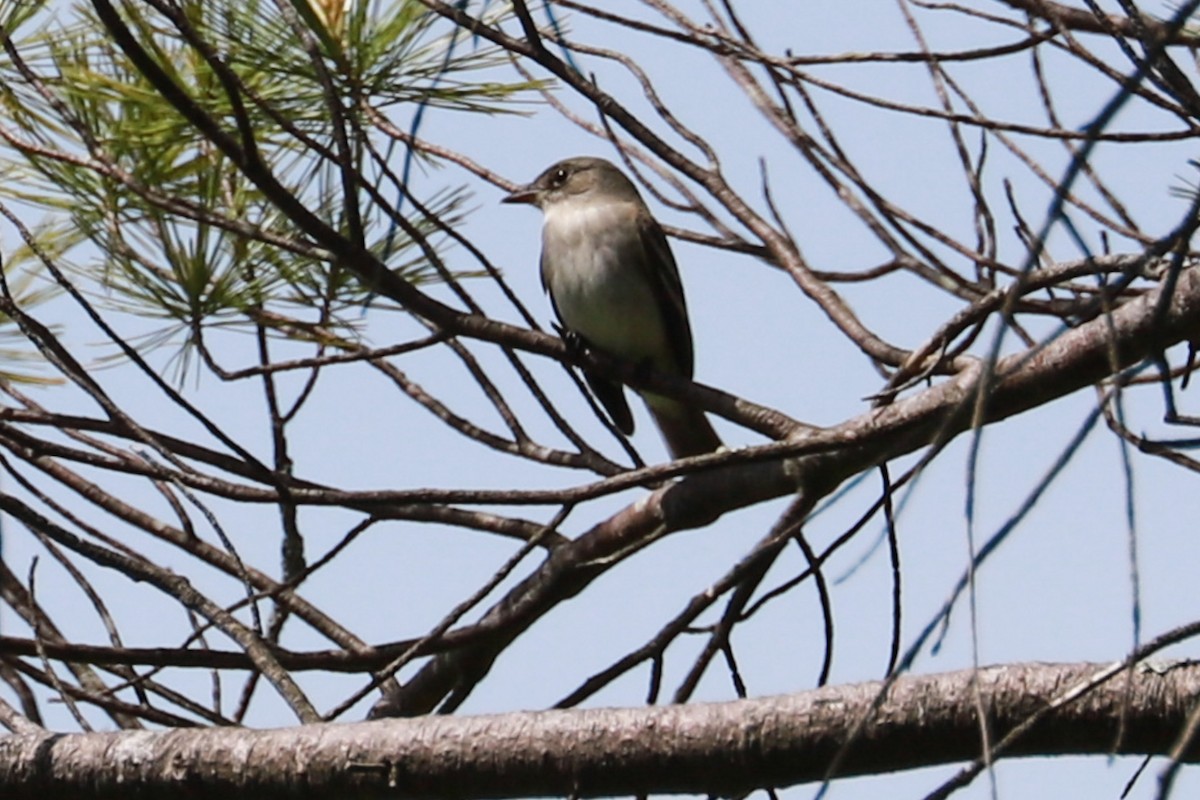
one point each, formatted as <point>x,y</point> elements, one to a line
<point>573,179</point>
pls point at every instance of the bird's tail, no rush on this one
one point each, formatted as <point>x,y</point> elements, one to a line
<point>685,429</point>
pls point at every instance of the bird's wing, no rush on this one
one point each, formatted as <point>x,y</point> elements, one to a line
<point>612,396</point>
<point>669,291</point>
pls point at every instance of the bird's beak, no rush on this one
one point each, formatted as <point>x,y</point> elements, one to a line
<point>525,194</point>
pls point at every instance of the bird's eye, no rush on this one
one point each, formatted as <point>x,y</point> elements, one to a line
<point>559,177</point>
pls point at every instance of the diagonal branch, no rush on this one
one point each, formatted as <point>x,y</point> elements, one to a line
<point>814,463</point>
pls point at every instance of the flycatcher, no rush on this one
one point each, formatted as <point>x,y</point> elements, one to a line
<point>613,283</point>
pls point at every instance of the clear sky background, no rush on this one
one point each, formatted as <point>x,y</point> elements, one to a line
<point>1058,590</point>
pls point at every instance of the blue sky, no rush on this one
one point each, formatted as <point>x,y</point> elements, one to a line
<point>1060,588</point>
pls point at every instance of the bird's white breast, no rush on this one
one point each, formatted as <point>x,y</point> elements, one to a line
<point>595,269</point>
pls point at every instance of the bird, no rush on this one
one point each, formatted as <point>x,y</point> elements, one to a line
<point>615,288</point>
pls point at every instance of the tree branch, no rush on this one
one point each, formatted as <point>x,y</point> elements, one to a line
<point>1077,359</point>
<point>720,748</point>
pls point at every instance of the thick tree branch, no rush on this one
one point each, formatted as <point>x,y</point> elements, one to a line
<point>1080,19</point>
<point>722,748</point>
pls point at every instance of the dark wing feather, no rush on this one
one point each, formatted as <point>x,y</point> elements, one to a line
<point>612,396</point>
<point>664,277</point>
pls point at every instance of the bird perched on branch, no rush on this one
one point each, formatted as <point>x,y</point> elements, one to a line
<point>614,285</point>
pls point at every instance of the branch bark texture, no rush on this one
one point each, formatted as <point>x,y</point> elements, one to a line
<point>719,748</point>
